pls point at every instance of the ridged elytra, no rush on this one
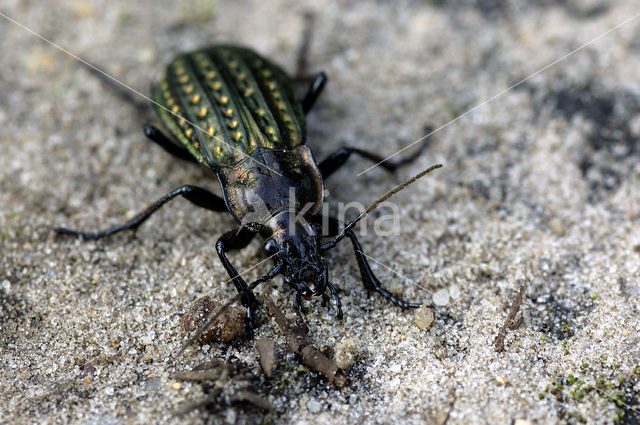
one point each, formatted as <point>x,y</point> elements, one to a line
<point>224,103</point>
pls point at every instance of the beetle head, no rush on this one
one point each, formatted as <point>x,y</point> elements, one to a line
<point>297,249</point>
<point>295,245</point>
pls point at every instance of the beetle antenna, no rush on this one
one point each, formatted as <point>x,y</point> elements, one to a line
<point>375,204</point>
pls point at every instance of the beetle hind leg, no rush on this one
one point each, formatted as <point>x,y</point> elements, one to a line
<point>302,62</point>
<point>316,87</point>
<point>118,88</point>
<point>338,158</point>
<point>316,82</point>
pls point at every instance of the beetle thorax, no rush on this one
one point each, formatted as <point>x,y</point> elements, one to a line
<point>270,182</point>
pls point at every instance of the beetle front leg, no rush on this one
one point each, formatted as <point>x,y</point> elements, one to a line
<point>237,240</point>
<point>369,280</point>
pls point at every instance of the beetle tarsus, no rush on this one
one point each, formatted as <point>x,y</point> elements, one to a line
<point>369,280</point>
<point>95,235</point>
<point>234,240</point>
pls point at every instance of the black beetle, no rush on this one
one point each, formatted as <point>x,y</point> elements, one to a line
<point>237,114</point>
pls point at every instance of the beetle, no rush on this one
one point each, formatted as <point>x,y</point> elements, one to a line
<point>235,112</point>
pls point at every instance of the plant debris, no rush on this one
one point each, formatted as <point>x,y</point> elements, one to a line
<point>226,326</point>
<point>510,322</point>
<point>266,351</point>
<point>226,384</point>
<point>296,332</point>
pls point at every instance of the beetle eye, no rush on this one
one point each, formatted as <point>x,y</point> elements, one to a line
<point>270,247</point>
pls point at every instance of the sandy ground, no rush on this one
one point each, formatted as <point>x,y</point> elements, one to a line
<point>539,189</point>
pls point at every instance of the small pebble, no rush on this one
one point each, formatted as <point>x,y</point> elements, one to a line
<point>344,353</point>
<point>501,379</point>
<point>314,406</point>
<point>441,297</point>
<point>176,385</point>
<point>152,384</point>
<point>556,225</point>
<point>226,327</point>
<point>454,292</point>
<point>424,317</point>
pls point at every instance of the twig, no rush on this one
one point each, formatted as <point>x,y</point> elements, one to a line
<point>205,375</point>
<point>210,399</point>
<point>296,334</point>
<point>509,321</point>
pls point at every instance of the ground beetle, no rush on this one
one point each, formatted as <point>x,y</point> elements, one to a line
<point>237,114</point>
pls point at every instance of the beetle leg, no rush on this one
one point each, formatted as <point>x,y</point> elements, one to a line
<point>334,292</point>
<point>302,62</point>
<point>299,306</point>
<point>124,93</point>
<point>233,240</point>
<point>316,87</point>
<point>369,280</point>
<point>316,82</point>
<point>157,136</point>
<point>334,161</point>
<point>196,195</point>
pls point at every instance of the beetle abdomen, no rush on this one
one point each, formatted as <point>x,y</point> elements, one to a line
<point>224,103</point>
